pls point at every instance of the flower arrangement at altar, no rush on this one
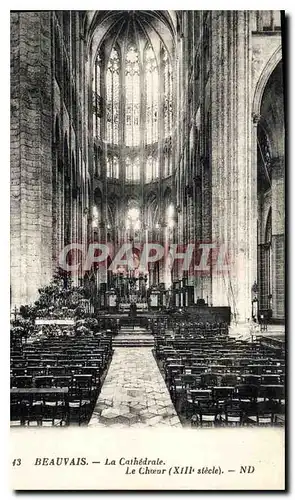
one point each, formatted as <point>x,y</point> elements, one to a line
<point>57,300</point>
<point>21,329</point>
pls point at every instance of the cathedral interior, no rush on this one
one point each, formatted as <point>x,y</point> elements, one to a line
<point>159,130</point>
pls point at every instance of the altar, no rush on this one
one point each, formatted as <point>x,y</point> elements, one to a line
<point>124,307</point>
<point>140,306</point>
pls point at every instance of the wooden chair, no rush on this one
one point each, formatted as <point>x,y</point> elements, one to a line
<point>229,380</point>
<point>272,392</point>
<point>62,381</point>
<point>209,380</point>
<point>246,392</point>
<point>233,413</point>
<point>56,371</point>
<point>196,396</point>
<point>222,395</point>
<point>279,420</point>
<point>54,410</point>
<point>16,411</point>
<point>19,409</point>
<point>262,414</point>
<point>35,371</point>
<point>43,381</point>
<point>19,372</point>
<point>22,381</point>
<point>48,362</point>
<point>250,379</point>
<point>206,413</point>
<point>35,410</point>
<point>79,410</point>
<point>73,370</point>
<point>270,379</point>
<point>82,386</point>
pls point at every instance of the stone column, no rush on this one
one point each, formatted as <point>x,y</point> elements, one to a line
<point>31,154</point>
<point>234,198</point>
<point>246,229</point>
<point>217,151</point>
<point>278,238</point>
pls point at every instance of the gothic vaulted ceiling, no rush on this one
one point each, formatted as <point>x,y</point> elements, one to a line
<point>119,24</point>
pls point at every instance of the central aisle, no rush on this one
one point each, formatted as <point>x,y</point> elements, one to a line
<point>134,393</point>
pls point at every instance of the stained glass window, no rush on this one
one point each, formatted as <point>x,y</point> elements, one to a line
<point>149,169</point>
<point>168,111</point>
<point>128,169</point>
<point>170,216</point>
<point>152,94</point>
<point>109,167</point>
<point>112,84</point>
<point>95,217</point>
<point>132,82</point>
<point>96,97</point>
<point>143,109</point>
<point>152,168</point>
<point>116,167</point>
<point>98,104</point>
<point>168,157</point>
<point>113,167</point>
<point>133,219</point>
<point>156,168</point>
<point>132,169</point>
<point>94,100</point>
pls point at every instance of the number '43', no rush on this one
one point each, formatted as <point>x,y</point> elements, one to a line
<point>16,462</point>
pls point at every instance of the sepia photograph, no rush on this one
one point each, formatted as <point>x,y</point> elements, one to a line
<point>147,233</point>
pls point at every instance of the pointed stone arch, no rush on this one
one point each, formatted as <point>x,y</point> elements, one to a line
<point>263,79</point>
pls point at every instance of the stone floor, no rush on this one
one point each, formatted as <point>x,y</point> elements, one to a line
<point>134,393</point>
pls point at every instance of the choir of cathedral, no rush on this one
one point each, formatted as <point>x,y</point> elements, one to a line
<point>147,210</point>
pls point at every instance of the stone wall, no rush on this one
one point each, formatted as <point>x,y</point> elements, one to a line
<point>31,154</point>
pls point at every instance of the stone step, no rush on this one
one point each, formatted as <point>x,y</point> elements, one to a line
<point>133,342</point>
<point>133,339</point>
<point>133,329</point>
<point>133,336</point>
<point>132,346</point>
<point>134,332</point>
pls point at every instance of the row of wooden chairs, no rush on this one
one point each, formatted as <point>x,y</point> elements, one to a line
<point>216,372</point>
<point>203,379</point>
<point>51,410</point>
<point>234,413</point>
<point>56,381</point>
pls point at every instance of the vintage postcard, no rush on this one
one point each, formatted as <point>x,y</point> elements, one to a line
<point>147,341</point>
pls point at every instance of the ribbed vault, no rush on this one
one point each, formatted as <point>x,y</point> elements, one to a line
<point>149,25</point>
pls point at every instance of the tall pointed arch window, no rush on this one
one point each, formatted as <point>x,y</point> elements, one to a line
<point>113,167</point>
<point>112,91</point>
<point>152,95</point>
<point>168,111</point>
<point>149,169</point>
<point>152,168</point>
<point>167,157</point>
<point>95,217</point>
<point>138,96</point>
<point>132,82</point>
<point>267,261</point>
<point>170,216</point>
<point>132,169</point>
<point>96,97</point>
<point>156,168</point>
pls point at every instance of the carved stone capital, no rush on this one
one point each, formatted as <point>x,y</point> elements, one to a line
<point>255,118</point>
